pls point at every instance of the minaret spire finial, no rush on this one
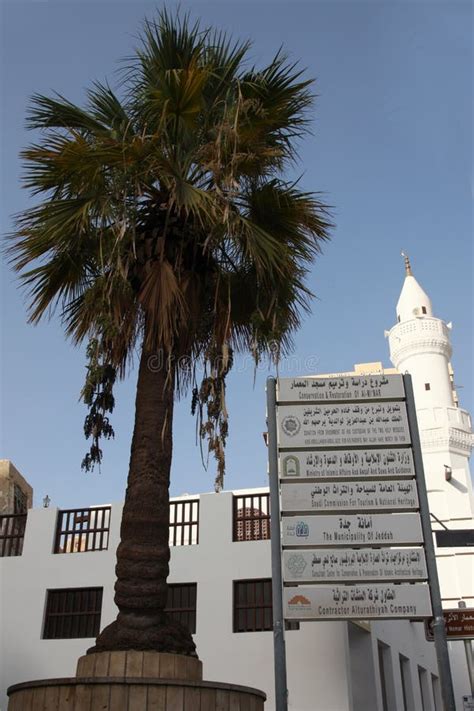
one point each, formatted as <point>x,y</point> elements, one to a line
<point>408,271</point>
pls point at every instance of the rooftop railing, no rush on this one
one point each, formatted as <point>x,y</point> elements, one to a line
<point>88,529</point>
<point>85,530</point>
<point>12,533</point>
<point>184,522</point>
<point>82,530</point>
<point>251,517</point>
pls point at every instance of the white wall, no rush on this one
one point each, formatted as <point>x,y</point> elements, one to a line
<point>318,655</point>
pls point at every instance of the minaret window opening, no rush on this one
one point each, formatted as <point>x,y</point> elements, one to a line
<point>423,310</point>
<point>427,386</point>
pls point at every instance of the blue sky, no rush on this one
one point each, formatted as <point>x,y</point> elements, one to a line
<point>391,150</point>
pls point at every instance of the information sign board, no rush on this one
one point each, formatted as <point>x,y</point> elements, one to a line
<point>363,387</point>
<point>352,529</point>
<point>455,538</point>
<point>459,624</point>
<point>323,565</point>
<point>383,423</point>
<point>345,445</point>
<point>393,495</point>
<point>394,463</point>
<point>468,703</point>
<point>346,602</point>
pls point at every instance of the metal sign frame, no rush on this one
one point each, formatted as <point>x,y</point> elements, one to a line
<point>281,692</point>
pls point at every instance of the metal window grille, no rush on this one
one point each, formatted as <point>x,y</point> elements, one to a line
<point>253,605</point>
<point>12,533</point>
<point>20,500</point>
<point>82,530</point>
<point>72,613</point>
<point>181,604</point>
<point>251,517</point>
<point>184,523</point>
<point>253,608</point>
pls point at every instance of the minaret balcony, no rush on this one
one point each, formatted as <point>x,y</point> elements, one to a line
<point>447,439</point>
<point>445,429</point>
<point>429,417</point>
<point>419,335</point>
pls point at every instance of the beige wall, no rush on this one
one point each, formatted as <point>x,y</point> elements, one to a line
<point>374,368</point>
<point>9,476</point>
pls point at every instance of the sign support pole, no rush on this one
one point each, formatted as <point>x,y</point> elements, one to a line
<point>281,691</point>
<point>469,656</point>
<point>439,631</point>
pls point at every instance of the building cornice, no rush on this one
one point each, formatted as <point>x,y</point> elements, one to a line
<point>420,346</point>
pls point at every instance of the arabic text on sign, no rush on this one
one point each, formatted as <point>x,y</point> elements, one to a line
<point>339,565</point>
<point>344,463</point>
<point>354,529</point>
<point>354,495</point>
<point>343,425</point>
<point>344,388</point>
<point>373,600</point>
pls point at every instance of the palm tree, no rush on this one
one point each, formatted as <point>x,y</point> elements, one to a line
<point>165,225</point>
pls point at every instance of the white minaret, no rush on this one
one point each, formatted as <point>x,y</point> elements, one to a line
<point>420,345</point>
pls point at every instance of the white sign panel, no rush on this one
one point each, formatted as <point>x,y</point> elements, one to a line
<point>351,495</point>
<point>332,464</point>
<point>352,529</point>
<point>343,425</point>
<point>342,565</point>
<point>357,387</point>
<point>347,602</point>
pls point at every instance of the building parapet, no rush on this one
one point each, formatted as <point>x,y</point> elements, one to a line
<point>87,530</point>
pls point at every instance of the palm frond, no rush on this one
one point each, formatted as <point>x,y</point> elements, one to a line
<point>108,110</point>
<point>164,217</point>
<point>45,112</point>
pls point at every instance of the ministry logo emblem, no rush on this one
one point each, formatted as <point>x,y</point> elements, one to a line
<point>291,425</point>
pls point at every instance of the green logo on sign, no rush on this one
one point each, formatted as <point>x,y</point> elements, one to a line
<point>291,466</point>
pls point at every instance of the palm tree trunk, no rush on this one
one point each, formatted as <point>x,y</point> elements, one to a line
<point>143,553</point>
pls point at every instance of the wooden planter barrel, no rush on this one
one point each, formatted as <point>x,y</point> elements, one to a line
<point>134,681</point>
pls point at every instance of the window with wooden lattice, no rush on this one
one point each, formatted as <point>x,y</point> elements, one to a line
<point>181,604</point>
<point>253,607</point>
<point>72,613</point>
<point>251,517</point>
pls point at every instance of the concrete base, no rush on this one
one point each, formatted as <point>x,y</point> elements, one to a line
<point>134,681</point>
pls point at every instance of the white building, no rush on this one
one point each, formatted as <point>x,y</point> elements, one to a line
<point>420,345</point>
<point>61,586</point>
<point>332,666</point>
